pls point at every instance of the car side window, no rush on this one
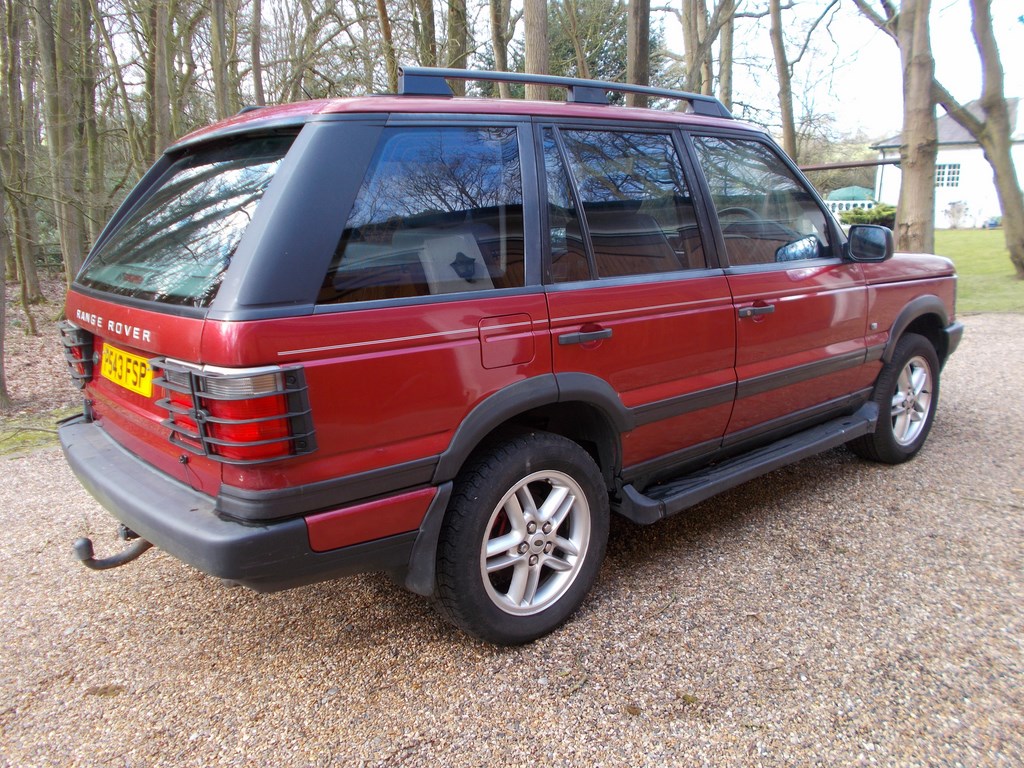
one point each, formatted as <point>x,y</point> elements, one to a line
<point>636,204</point>
<point>568,253</point>
<point>440,211</point>
<point>766,213</point>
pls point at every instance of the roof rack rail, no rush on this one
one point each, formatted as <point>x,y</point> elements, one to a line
<point>432,81</point>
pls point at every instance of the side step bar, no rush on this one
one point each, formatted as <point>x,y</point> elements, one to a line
<point>674,496</point>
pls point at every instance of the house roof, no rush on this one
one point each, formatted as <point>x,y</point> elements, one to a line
<point>951,132</point>
<point>852,193</point>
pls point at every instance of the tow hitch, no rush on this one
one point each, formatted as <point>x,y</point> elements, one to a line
<point>83,551</point>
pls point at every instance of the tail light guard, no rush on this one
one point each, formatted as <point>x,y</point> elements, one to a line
<point>78,352</point>
<point>236,415</point>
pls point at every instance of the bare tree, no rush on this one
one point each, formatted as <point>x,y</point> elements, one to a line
<point>569,17</point>
<point>638,49</point>
<point>915,221</point>
<point>5,249</point>
<point>698,39</point>
<point>390,60</point>
<point>135,134</point>
<point>701,29</point>
<point>15,158</point>
<point>94,201</point>
<point>256,52</point>
<point>158,74</point>
<point>54,25</point>
<point>458,41</point>
<point>725,53</point>
<point>503,24</point>
<point>424,29</point>
<point>994,131</point>
<point>219,56</point>
<point>784,73</point>
<point>784,67</point>
<point>536,22</point>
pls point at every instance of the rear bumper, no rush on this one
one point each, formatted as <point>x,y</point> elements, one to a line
<point>184,523</point>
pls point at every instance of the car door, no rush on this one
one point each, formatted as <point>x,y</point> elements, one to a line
<point>637,315</point>
<point>799,307</point>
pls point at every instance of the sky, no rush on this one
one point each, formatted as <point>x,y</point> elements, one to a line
<point>857,78</point>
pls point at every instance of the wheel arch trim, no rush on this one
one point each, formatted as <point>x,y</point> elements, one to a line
<point>916,309</point>
<point>523,396</point>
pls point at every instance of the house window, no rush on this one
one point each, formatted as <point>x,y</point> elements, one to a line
<point>947,175</point>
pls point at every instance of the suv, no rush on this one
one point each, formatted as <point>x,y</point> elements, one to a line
<point>446,338</point>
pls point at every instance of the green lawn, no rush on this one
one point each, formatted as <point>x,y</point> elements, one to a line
<point>987,279</point>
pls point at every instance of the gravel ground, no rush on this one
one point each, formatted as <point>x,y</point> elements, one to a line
<point>833,613</point>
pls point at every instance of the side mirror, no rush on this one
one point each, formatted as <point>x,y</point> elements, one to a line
<point>870,242</point>
<point>804,248</point>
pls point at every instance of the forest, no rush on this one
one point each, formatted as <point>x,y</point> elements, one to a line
<point>92,91</point>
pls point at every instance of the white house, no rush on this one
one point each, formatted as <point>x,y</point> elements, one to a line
<point>965,193</point>
<point>850,198</point>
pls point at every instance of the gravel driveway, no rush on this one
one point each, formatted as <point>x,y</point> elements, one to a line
<point>833,613</point>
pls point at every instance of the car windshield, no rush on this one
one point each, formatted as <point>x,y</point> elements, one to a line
<point>176,244</point>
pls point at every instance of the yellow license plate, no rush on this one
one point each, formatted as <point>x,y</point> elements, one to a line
<point>127,370</point>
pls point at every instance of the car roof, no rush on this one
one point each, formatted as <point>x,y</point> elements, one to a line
<point>298,113</point>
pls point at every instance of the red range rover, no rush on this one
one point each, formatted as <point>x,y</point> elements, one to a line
<point>446,338</point>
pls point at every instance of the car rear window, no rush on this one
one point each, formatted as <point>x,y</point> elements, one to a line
<point>176,244</point>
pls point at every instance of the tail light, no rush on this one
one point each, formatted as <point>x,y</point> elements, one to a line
<point>78,351</point>
<point>237,416</point>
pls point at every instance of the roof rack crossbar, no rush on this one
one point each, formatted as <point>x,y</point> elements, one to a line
<point>431,81</point>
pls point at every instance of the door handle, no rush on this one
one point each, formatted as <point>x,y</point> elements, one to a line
<point>765,309</point>
<point>582,337</point>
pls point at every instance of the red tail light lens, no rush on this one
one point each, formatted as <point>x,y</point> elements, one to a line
<point>249,429</point>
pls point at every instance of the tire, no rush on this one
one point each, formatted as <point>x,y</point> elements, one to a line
<point>523,538</point>
<point>907,393</point>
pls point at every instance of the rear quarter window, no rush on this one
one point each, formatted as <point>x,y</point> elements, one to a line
<point>440,211</point>
<point>176,244</point>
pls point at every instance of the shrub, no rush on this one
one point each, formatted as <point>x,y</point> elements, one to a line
<point>881,214</point>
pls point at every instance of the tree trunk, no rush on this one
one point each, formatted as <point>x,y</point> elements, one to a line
<point>458,41</point>
<point>993,134</point>
<point>9,40</point>
<point>915,217</point>
<point>569,13</point>
<point>30,138</point>
<point>218,57</point>
<point>13,146</point>
<point>699,33</point>
<point>707,73</point>
<point>74,117</point>
<point>255,52</point>
<point>500,11</point>
<point>232,32</point>
<point>725,53</point>
<point>137,149</point>
<point>784,74</point>
<point>5,250</point>
<point>182,80</point>
<point>58,105</point>
<point>95,218</point>
<point>389,47</point>
<point>638,49</point>
<point>535,16</point>
<point>426,40</point>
